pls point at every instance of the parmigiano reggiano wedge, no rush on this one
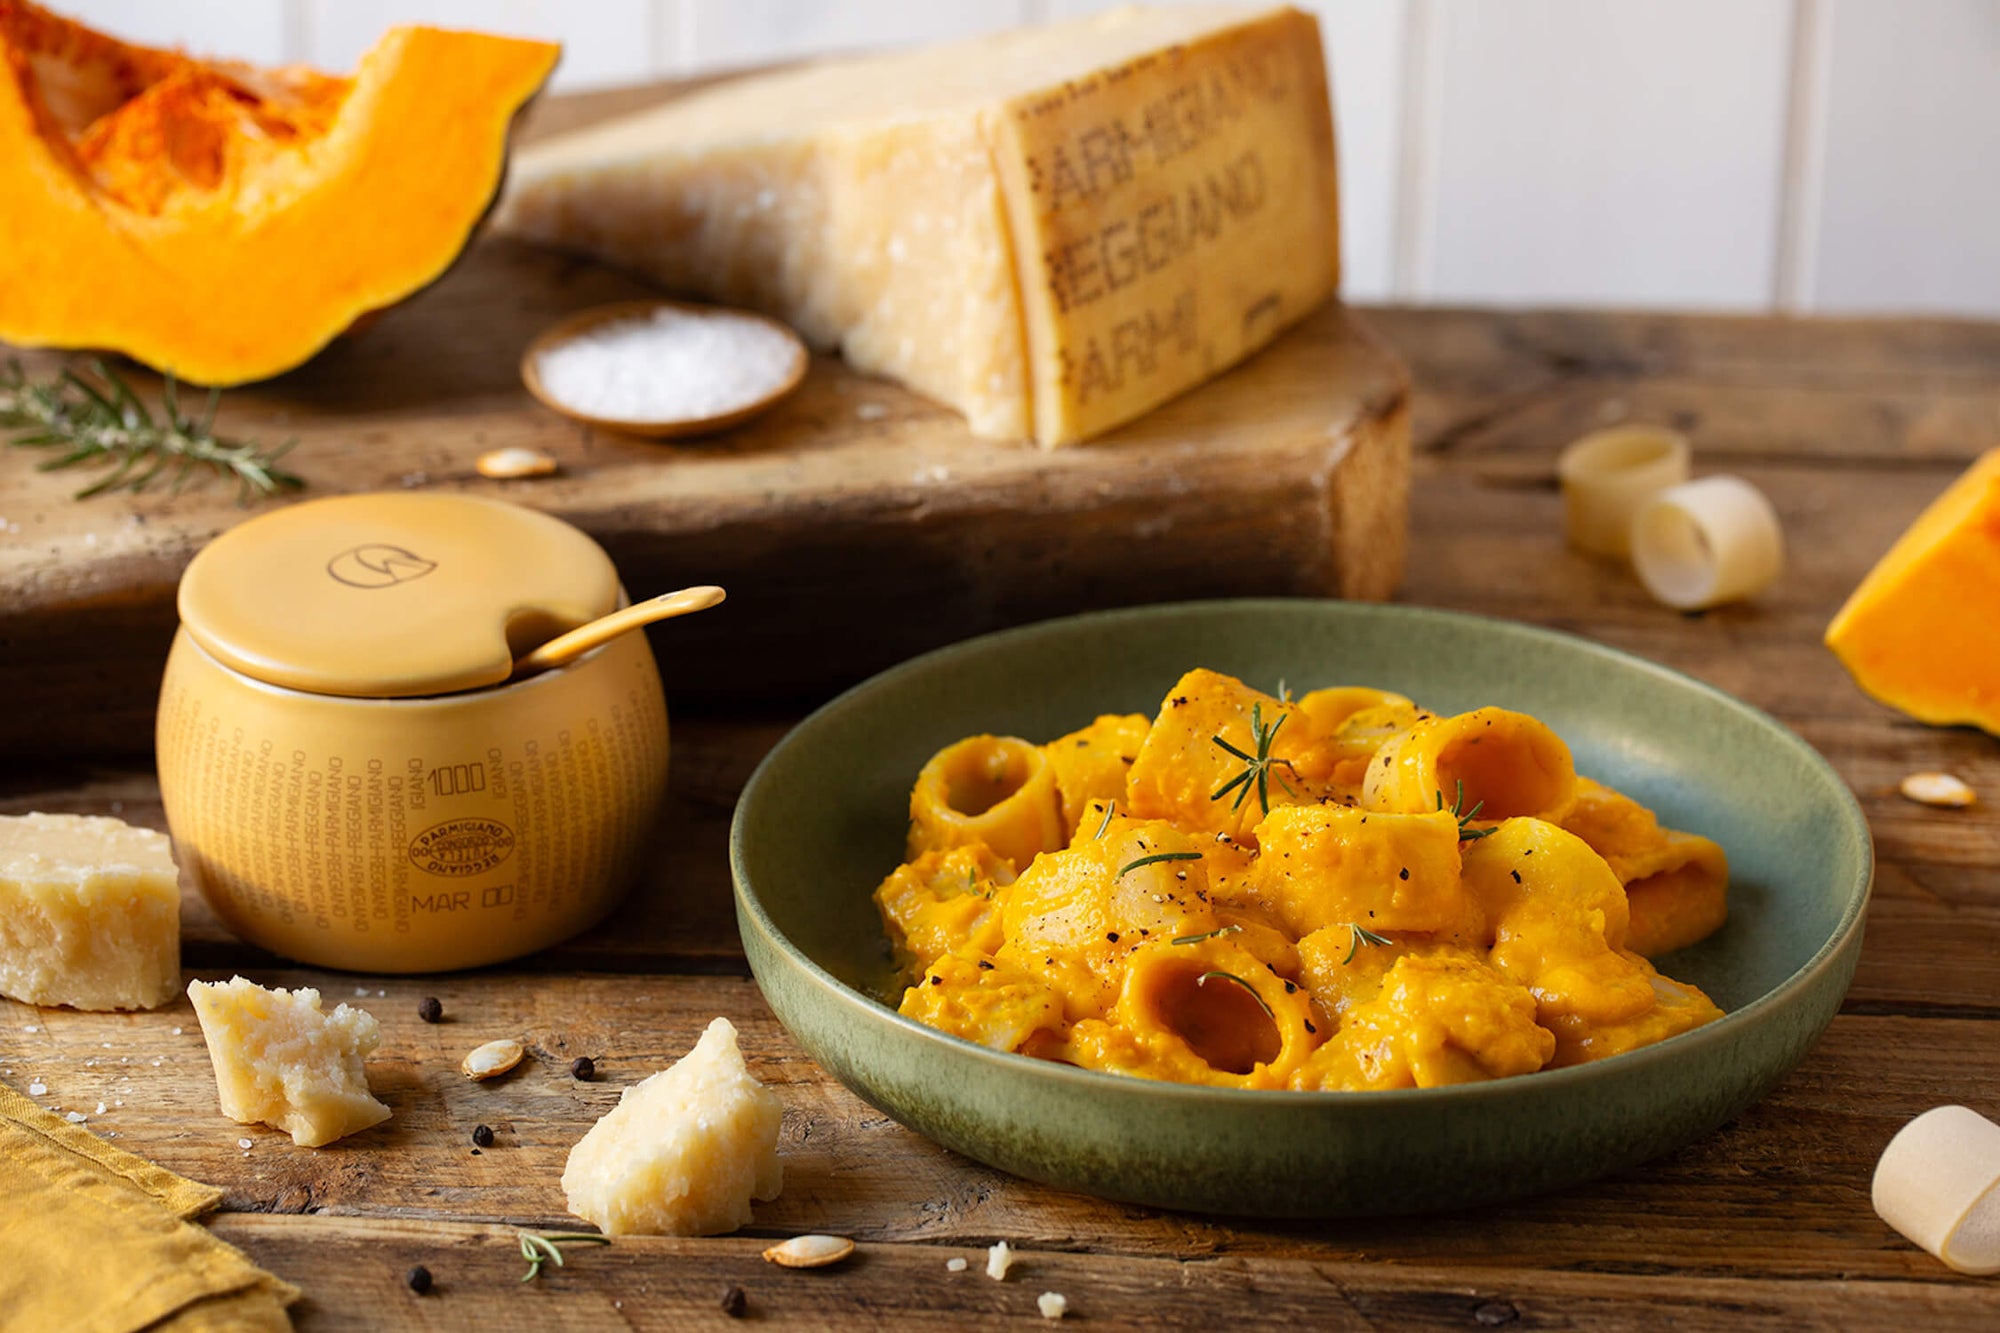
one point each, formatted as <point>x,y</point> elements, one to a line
<point>1052,230</point>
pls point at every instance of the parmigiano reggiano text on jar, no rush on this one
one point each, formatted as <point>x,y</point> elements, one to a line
<point>350,775</point>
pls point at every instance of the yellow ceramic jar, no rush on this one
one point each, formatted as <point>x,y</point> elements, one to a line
<point>349,775</point>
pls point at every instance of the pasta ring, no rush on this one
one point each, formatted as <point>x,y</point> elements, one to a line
<point>1608,475</point>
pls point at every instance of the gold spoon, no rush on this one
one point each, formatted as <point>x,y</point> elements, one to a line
<point>566,648</point>
<point>619,312</point>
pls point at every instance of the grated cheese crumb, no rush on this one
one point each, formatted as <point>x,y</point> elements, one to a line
<point>998,1260</point>
<point>955,1265</point>
<point>1052,1304</point>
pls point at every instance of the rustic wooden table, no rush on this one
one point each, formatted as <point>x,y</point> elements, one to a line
<point>1850,427</point>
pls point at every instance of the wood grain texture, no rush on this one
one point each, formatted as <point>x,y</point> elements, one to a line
<point>655,1283</point>
<point>855,516</point>
<point>1850,426</point>
<point>1781,1190</point>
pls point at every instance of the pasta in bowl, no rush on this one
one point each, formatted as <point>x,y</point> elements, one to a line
<point>827,814</point>
<point>1254,892</point>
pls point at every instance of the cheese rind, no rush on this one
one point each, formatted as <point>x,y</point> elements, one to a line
<point>1052,230</point>
<point>280,1060</point>
<point>684,1152</point>
<point>90,913</point>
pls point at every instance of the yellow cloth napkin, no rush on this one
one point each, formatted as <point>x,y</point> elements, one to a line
<point>99,1241</point>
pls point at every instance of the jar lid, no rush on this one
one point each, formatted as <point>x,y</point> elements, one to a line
<point>392,595</point>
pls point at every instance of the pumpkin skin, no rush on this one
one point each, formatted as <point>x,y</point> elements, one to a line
<point>220,222</point>
<point>1922,632</point>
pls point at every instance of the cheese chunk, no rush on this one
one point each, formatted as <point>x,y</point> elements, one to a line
<point>1052,230</point>
<point>683,1153</point>
<point>282,1061</point>
<point>90,913</point>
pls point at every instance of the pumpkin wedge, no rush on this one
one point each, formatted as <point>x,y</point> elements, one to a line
<point>1922,632</point>
<point>222,222</point>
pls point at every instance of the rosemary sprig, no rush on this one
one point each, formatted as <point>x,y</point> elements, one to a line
<point>1110,809</point>
<point>1217,933</point>
<point>1256,767</point>
<point>1465,816</point>
<point>538,1250</point>
<point>1358,935</point>
<point>1204,978</point>
<point>1156,856</point>
<point>97,419</point>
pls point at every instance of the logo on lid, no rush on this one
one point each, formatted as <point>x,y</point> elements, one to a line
<point>377,566</point>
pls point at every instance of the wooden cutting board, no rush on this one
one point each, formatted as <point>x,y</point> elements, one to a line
<point>853,525</point>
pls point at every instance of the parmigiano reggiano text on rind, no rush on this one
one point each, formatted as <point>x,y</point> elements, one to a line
<point>1052,231</point>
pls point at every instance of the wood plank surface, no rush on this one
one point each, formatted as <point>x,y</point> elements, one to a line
<point>1782,1190</point>
<point>855,516</point>
<point>1849,426</point>
<point>656,1283</point>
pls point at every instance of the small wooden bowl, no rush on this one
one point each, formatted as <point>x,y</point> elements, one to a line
<point>584,321</point>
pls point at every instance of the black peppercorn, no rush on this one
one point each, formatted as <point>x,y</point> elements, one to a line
<point>429,1009</point>
<point>419,1279</point>
<point>583,1069</point>
<point>483,1135</point>
<point>734,1302</point>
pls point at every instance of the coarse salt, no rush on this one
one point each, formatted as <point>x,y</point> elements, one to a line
<point>76,1117</point>
<point>37,1088</point>
<point>673,366</point>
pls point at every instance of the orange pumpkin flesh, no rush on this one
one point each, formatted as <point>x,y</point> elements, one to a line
<point>1922,632</point>
<point>222,222</point>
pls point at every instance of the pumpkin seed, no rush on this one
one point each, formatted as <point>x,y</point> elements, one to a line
<point>1940,789</point>
<point>510,463</point>
<point>491,1060</point>
<point>810,1251</point>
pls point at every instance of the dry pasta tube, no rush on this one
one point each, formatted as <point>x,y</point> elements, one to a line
<point>998,790</point>
<point>1939,1184</point>
<point>1707,542</point>
<point>1510,764</point>
<point>1607,475</point>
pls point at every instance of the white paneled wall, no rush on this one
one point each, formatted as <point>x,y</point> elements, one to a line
<point>1630,153</point>
<point>1814,155</point>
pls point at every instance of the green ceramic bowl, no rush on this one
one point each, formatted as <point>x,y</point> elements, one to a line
<point>822,821</point>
